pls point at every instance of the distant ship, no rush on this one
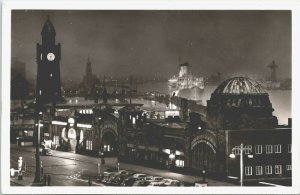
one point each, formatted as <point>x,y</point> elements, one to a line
<point>273,83</point>
<point>186,85</point>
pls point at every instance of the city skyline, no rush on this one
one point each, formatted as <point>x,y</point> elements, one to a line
<point>115,41</point>
<point>227,130</point>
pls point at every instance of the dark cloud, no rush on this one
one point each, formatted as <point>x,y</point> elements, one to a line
<point>153,42</point>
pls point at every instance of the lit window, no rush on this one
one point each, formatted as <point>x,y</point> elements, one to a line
<point>248,170</point>
<point>89,144</point>
<point>179,163</point>
<point>277,148</point>
<point>56,140</point>
<point>248,149</point>
<point>258,149</point>
<point>269,149</point>
<point>289,148</point>
<point>278,169</point>
<point>268,169</point>
<point>288,167</point>
<point>259,170</point>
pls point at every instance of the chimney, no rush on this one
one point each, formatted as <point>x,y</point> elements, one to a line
<point>290,122</point>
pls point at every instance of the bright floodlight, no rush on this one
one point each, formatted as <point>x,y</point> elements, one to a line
<point>232,155</point>
<point>250,156</point>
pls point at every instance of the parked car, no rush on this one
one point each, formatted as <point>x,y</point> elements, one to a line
<point>118,179</point>
<point>176,183</point>
<point>128,181</point>
<point>110,171</point>
<point>107,178</point>
<point>167,182</point>
<point>122,172</point>
<point>158,184</point>
<point>139,176</point>
<point>141,183</point>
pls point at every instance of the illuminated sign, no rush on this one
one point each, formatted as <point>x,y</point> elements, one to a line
<point>171,113</point>
<point>84,125</point>
<point>72,134</point>
<point>59,123</point>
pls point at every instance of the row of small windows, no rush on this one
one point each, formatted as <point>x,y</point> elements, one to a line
<point>88,111</point>
<point>259,149</point>
<point>268,169</point>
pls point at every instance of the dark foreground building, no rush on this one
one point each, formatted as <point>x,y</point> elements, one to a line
<point>239,111</point>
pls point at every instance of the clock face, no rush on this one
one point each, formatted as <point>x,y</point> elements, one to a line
<point>50,56</point>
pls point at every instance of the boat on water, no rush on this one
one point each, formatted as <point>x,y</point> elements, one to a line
<point>186,85</point>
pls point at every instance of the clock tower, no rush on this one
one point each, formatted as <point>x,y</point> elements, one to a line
<point>48,73</point>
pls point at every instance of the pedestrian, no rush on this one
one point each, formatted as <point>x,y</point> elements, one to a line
<point>90,181</point>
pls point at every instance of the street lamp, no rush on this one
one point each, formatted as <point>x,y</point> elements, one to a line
<point>241,151</point>
<point>203,172</point>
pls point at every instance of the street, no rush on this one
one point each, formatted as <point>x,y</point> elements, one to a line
<point>69,169</point>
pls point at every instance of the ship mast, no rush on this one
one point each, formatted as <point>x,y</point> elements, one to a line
<point>273,68</point>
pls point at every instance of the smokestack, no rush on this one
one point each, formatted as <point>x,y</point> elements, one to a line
<point>289,122</point>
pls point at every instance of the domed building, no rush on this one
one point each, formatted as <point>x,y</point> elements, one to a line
<point>240,114</point>
<point>240,103</point>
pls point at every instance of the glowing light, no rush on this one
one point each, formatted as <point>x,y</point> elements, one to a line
<point>71,120</point>
<point>84,125</point>
<point>172,156</point>
<point>59,123</point>
<point>232,155</point>
<point>178,152</point>
<point>168,151</point>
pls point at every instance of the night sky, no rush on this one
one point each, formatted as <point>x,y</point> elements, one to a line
<point>151,43</point>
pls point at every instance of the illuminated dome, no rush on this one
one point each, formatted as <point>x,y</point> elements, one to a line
<point>240,85</point>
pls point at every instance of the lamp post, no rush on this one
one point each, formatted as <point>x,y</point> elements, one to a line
<point>241,151</point>
<point>37,178</point>
<point>203,172</point>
